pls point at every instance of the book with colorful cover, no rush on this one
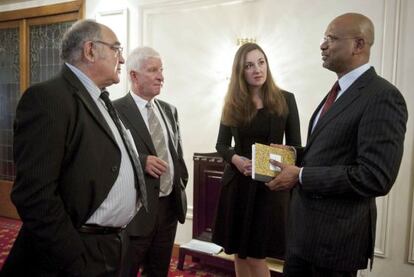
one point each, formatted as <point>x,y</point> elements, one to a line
<point>262,169</point>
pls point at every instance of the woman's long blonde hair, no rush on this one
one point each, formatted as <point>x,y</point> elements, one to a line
<point>239,109</point>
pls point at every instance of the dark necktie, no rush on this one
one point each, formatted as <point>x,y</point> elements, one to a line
<point>158,139</point>
<point>141,188</point>
<point>330,99</point>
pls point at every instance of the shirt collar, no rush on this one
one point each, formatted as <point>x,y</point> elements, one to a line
<point>90,86</point>
<point>141,102</point>
<point>348,79</point>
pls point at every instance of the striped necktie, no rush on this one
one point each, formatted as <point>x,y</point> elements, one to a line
<point>141,188</point>
<point>160,146</point>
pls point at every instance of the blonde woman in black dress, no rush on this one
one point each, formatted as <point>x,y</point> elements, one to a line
<point>250,220</point>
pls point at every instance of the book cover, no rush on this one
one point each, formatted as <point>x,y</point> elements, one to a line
<point>262,169</point>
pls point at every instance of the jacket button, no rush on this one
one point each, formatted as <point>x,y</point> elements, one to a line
<point>114,168</point>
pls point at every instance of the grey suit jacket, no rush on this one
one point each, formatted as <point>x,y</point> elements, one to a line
<point>352,156</point>
<point>144,221</point>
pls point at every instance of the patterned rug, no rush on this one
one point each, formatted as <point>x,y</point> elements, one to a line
<point>8,233</point>
<point>194,269</point>
<point>10,227</point>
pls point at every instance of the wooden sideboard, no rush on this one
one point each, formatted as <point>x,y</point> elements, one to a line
<point>208,171</point>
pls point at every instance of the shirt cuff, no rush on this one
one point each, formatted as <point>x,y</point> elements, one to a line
<point>300,175</point>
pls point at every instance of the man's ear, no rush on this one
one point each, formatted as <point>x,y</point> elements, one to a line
<point>89,51</point>
<point>133,75</point>
<point>359,45</point>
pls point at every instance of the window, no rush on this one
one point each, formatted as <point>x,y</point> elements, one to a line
<point>29,53</point>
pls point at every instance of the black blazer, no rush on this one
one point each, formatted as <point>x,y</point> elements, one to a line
<point>280,126</point>
<point>143,222</point>
<point>351,157</point>
<point>66,162</point>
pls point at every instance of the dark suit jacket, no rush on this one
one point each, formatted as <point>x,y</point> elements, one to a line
<point>144,221</point>
<point>351,157</point>
<point>67,161</point>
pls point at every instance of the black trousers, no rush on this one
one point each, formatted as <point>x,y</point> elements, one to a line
<point>297,267</point>
<point>103,256</point>
<point>153,252</point>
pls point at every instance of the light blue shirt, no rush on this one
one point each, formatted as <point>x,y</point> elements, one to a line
<point>344,83</point>
<point>120,205</point>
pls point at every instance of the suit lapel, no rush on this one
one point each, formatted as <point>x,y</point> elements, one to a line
<point>314,116</point>
<point>169,119</point>
<point>342,104</point>
<point>87,100</point>
<point>133,115</point>
<point>165,117</point>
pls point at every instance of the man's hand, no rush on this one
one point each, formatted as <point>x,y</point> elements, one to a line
<point>286,147</point>
<point>243,164</point>
<point>287,178</point>
<point>155,166</point>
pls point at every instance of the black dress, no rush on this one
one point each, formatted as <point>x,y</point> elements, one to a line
<point>251,219</point>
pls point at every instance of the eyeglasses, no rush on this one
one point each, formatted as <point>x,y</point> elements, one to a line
<point>330,39</point>
<point>116,48</point>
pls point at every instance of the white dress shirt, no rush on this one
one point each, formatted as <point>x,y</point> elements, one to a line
<point>120,205</point>
<point>140,102</point>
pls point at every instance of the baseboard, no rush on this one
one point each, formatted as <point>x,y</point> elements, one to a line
<point>275,265</point>
<point>175,250</point>
<point>7,209</point>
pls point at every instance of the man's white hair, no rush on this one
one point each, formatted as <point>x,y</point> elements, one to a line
<point>138,56</point>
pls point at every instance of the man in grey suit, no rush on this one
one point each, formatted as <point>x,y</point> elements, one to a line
<point>75,187</point>
<point>155,129</point>
<point>353,154</point>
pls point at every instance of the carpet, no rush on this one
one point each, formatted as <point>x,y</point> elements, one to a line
<point>10,227</point>
<point>8,232</point>
<point>195,269</point>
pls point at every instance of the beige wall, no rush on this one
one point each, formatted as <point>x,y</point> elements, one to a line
<point>197,40</point>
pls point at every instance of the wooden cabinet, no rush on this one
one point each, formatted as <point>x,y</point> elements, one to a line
<point>208,171</point>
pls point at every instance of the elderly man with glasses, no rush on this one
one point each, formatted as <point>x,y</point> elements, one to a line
<point>78,182</point>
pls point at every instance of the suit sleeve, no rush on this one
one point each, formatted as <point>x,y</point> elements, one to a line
<point>39,145</point>
<point>183,167</point>
<point>379,149</point>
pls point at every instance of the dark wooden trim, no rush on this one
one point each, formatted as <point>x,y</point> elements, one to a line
<point>7,209</point>
<point>9,24</point>
<point>66,7</point>
<point>24,56</point>
<point>58,18</point>
<point>175,250</point>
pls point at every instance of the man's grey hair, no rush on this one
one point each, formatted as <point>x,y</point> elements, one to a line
<point>138,56</point>
<point>74,38</point>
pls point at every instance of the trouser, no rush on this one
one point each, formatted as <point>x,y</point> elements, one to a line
<point>297,267</point>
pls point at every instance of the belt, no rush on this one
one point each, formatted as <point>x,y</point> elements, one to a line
<point>100,230</point>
